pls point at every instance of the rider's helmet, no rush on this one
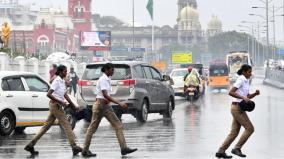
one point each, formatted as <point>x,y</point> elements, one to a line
<point>189,69</point>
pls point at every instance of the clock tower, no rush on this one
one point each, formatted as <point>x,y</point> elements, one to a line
<point>80,12</point>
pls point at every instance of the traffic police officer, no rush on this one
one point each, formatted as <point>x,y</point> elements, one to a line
<point>101,108</point>
<point>57,94</point>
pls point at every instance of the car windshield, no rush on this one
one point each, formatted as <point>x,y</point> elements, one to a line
<point>218,71</point>
<point>93,72</point>
<point>178,73</point>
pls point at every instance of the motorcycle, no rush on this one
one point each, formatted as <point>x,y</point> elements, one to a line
<point>192,93</point>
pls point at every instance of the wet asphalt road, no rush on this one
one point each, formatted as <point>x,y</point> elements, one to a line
<point>195,132</point>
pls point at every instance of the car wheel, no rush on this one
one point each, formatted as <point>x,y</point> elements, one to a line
<point>71,117</point>
<point>19,130</point>
<point>168,113</point>
<point>143,113</point>
<point>7,123</point>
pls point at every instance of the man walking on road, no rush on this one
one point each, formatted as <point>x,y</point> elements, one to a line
<point>74,80</point>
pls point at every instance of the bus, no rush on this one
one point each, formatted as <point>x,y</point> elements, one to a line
<point>234,61</point>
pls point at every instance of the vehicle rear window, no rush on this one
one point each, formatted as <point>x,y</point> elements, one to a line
<point>179,73</point>
<point>138,72</point>
<point>218,71</point>
<point>93,72</point>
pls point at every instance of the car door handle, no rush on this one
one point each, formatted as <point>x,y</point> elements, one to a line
<point>35,96</point>
<point>9,96</point>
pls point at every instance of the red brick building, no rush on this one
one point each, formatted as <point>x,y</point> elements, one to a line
<point>52,30</point>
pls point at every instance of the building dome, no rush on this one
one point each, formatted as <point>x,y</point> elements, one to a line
<point>189,13</point>
<point>214,24</point>
<point>192,3</point>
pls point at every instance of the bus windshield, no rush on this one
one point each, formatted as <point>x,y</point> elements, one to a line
<point>236,60</point>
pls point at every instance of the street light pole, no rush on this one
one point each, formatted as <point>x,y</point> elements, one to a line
<point>274,43</point>
<point>267,29</point>
<point>258,54</point>
<point>253,43</point>
<point>283,27</point>
<point>133,39</point>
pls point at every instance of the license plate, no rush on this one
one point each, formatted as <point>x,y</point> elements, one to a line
<point>191,93</point>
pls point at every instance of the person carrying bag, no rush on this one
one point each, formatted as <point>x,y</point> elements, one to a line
<point>240,104</point>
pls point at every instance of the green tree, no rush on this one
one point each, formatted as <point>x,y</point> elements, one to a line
<point>226,42</point>
<point>110,21</point>
<point>221,44</point>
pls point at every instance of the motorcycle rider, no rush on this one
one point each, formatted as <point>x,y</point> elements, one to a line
<point>192,80</point>
<point>189,69</point>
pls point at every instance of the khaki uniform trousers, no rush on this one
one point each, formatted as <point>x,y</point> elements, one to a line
<point>102,109</point>
<point>56,112</point>
<point>240,118</point>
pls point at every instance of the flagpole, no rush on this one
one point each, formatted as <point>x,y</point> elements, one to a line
<point>150,8</point>
<point>153,38</point>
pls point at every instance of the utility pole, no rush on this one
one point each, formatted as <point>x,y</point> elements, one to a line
<point>267,29</point>
<point>133,39</point>
<point>274,43</point>
<point>283,28</point>
<point>258,36</point>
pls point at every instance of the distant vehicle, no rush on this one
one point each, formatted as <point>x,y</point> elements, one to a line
<point>201,71</point>
<point>23,101</point>
<point>177,76</point>
<point>218,76</point>
<point>234,61</point>
<point>197,66</point>
<point>135,83</point>
<point>118,58</point>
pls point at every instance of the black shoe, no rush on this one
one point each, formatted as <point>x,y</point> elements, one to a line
<point>222,155</point>
<point>238,152</point>
<point>31,150</point>
<point>88,153</point>
<point>127,151</point>
<point>76,150</point>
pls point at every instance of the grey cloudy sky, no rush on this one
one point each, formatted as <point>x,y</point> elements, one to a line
<point>230,12</point>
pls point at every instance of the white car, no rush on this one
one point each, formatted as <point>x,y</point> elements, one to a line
<point>23,101</point>
<point>177,76</point>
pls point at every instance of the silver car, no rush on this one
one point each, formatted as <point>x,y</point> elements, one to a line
<point>138,84</point>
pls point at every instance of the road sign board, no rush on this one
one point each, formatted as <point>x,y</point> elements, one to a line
<point>181,57</point>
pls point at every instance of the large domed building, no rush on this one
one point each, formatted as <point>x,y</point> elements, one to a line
<point>188,25</point>
<point>214,26</point>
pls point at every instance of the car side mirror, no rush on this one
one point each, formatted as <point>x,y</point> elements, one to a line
<point>168,78</point>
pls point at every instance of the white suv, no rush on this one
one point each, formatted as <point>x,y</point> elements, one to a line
<point>23,101</point>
